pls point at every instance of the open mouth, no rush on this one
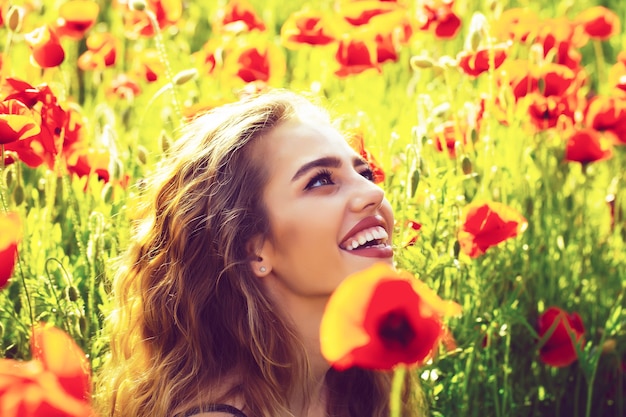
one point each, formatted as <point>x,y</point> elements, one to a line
<point>372,237</point>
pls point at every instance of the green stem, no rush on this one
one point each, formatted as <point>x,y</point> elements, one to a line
<point>597,49</point>
<point>395,401</point>
<point>166,62</point>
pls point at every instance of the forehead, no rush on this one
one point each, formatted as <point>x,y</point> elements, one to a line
<point>297,141</point>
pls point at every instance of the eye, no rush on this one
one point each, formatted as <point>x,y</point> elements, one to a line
<point>322,178</point>
<point>368,174</point>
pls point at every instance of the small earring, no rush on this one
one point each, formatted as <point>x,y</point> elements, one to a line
<point>262,269</point>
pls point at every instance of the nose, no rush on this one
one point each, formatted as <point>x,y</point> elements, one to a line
<point>365,195</point>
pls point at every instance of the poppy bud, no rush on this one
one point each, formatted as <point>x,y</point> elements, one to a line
<point>82,324</point>
<point>15,17</point>
<point>142,155</point>
<point>466,165</point>
<point>421,62</point>
<point>415,180</point>
<point>441,110</point>
<point>116,169</point>
<point>9,177</point>
<point>185,75</point>
<point>18,195</point>
<point>609,346</point>
<point>72,293</point>
<point>164,142</point>
<point>477,27</point>
<point>138,5</point>
<point>107,192</point>
<point>474,40</point>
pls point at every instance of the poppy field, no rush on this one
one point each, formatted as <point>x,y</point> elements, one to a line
<point>496,128</point>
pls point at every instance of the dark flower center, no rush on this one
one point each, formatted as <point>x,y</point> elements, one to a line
<point>395,330</point>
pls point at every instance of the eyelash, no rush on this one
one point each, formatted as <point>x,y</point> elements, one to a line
<point>326,175</point>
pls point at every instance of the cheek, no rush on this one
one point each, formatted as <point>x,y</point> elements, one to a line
<point>305,237</point>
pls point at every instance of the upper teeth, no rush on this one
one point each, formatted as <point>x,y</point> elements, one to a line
<point>364,236</point>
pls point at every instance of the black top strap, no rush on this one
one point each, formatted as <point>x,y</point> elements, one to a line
<point>220,408</point>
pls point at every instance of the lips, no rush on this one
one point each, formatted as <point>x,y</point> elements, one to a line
<point>368,238</point>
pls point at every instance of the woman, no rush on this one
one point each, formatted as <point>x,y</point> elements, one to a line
<point>261,210</point>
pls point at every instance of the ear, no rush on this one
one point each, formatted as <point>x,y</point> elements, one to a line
<point>260,252</point>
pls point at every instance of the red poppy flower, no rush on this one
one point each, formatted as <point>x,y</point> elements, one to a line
<point>11,227</point>
<point>44,146</point>
<point>45,46</point>
<point>73,128</point>
<point>436,16</point>
<point>586,146</point>
<point>16,122</point>
<point>76,17</point>
<point>256,60</point>
<point>563,331</point>
<point>356,139</point>
<point>474,63</point>
<point>386,48</point>
<point>147,65</point>
<point>238,16</point>
<point>549,112</point>
<point>137,23</point>
<point>124,87</point>
<point>486,225</point>
<point>561,40</point>
<point>599,22</point>
<point>607,114</point>
<point>308,28</point>
<point>60,355</point>
<point>101,52</point>
<point>413,227</point>
<point>450,135</point>
<point>56,382</point>
<point>355,55</point>
<point>378,318</point>
<point>83,161</point>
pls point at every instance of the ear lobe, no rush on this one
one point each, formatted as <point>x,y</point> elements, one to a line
<point>259,251</point>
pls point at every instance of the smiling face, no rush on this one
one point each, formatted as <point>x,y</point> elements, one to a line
<point>327,218</point>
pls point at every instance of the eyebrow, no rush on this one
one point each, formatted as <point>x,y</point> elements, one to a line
<point>326,162</point>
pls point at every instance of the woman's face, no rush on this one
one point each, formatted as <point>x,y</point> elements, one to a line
<point>327,218</point>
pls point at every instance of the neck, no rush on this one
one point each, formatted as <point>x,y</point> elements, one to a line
<point>305,315</point>
<point>307,319</point>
